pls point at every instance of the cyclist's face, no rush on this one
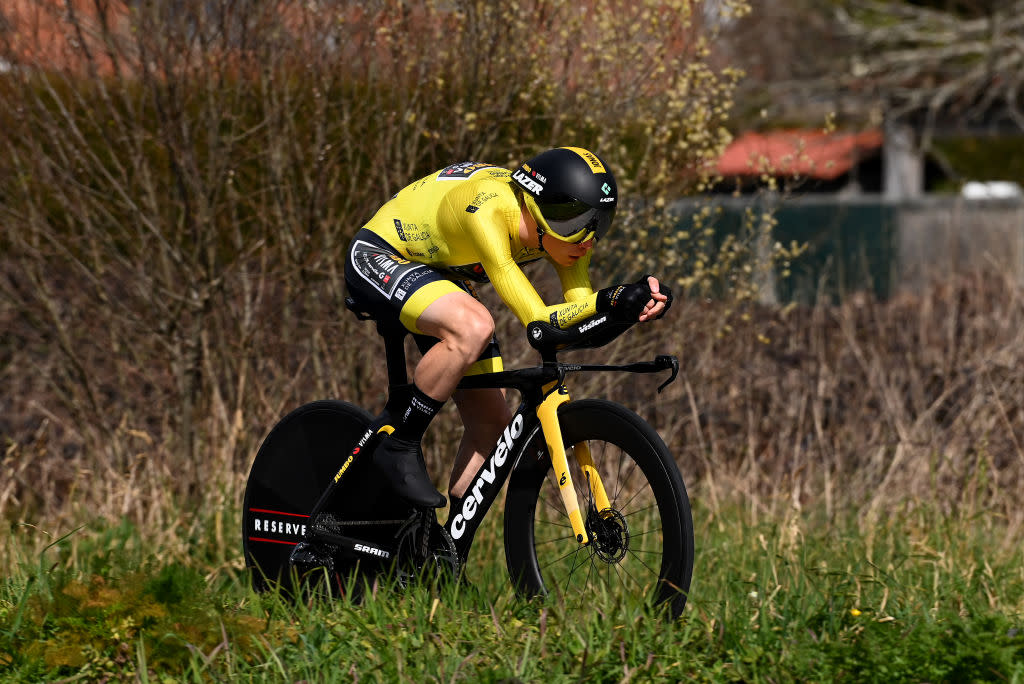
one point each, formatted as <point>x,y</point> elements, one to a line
<point>563,253</point>
<point>567,253</point>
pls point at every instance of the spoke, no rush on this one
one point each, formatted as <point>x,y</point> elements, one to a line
<point>555,539</point>
<point>625,480</point>
<point>552,523</point>
<point>636,494</point>
<point>572,570</point>
<point>630,575</point>
<point>643,563</point>
<point>639,511</point>
<point>653,553</point>
<point>560,558</point>
<point>586,585</point>
<point>618,574</point>
<point>560,510</point>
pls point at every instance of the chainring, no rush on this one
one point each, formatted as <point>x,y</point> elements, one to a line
<point>425,550</point>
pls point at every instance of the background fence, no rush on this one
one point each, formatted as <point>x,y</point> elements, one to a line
<point>870,244</point>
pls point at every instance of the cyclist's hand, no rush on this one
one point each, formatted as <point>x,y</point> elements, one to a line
<point>661,300</point>
<point>643,300</point>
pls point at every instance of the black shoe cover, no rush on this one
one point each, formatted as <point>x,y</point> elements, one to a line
<point>399,462</point>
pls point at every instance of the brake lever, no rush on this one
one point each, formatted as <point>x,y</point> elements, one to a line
<point>673,363</point>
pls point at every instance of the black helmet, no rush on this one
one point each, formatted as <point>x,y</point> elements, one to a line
<point>570,192</point>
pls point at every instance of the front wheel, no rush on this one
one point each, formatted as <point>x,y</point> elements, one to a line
<point>642,545</point>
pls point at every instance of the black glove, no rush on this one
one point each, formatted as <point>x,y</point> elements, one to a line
<point>625,302</point>
<point>668,302</point>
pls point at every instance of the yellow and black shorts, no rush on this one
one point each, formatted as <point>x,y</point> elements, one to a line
<point>389,286</point>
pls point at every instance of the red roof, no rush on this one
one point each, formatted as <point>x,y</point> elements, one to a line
<point>41,31</point>
<point>815,154</point>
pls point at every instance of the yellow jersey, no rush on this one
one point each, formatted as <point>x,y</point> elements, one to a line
<point>464,220</point>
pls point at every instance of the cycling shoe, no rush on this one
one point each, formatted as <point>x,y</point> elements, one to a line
<point>398,460</point>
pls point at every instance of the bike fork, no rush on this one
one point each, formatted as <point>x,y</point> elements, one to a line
<point>547,412</point>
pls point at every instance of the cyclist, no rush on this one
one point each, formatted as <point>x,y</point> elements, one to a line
<point>416,261</point>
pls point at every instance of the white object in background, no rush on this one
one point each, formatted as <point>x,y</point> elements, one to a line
<point>991,190</point>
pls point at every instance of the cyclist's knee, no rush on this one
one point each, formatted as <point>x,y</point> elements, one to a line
<point>471,329</point>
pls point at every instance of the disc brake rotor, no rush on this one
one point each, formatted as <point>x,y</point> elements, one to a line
<point>610,534</point>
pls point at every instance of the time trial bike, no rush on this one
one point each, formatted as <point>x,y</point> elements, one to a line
<point>595,500</point>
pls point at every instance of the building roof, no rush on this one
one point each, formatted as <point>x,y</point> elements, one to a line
<point>808,153</point>
<point>44,32</point>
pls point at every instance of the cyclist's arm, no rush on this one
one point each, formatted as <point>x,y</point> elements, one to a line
<point>488,228</point>
<point>491,242</point>
<point>575,279</point>
<point>518,292</point>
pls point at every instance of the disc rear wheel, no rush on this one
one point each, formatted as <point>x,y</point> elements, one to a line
<point>294,465</point>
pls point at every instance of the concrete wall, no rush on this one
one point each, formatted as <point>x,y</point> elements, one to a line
<point>882,245</point>
<point>944,235</point>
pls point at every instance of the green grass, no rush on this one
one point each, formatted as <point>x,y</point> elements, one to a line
<point>915,598</point>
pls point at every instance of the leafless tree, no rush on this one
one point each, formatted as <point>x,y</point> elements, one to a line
<point>942,65</point>
<point>959,65</point>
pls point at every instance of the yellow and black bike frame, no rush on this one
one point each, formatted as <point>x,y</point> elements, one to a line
<point>547,412</point>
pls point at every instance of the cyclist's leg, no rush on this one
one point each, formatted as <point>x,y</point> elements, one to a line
<point>485,414</point>
<point>464,328</point>
<point>454,332</point>
<point>397,291</point>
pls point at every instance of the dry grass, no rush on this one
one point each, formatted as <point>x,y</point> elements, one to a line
<point>174,210</point>
<point>869,406</point>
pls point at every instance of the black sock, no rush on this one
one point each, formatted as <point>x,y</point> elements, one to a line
<point>416,416</point>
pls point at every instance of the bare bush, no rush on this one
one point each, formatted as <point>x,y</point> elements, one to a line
<point>182,179</point>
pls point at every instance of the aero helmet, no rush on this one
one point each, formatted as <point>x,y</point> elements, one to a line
<point>570,192</point>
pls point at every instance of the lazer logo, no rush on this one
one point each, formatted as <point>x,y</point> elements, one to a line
<point>530,184</point>
<point>486,476</point>
<point>372,550</point>
<point>592,324</point>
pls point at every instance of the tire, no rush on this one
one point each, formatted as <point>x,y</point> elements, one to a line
<point>293,466</point>
<point>643,547</point>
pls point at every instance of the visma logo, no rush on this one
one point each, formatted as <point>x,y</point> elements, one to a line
<point>486,476</point>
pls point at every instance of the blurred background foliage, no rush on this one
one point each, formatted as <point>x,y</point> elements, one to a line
<point>180,181</point>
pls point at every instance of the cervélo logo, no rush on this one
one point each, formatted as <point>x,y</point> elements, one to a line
<point>486,476</point>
